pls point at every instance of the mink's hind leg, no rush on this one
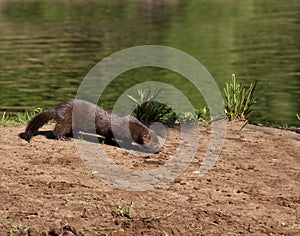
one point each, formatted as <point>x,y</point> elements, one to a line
<point>62,130</point>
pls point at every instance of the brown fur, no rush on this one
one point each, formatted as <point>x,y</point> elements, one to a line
<point>104,126</point>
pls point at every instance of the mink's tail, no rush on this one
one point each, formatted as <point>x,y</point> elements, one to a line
<point>36,122</point>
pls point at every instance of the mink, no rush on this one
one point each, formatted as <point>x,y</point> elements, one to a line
<point>126,128</point>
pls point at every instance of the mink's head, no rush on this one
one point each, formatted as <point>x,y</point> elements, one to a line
<point>151,142</point>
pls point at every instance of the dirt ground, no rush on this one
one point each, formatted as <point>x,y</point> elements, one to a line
<point>253,189</point>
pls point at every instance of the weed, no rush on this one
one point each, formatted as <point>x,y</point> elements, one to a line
<point>150,107</point>
<point>15,229</point>
<point>281,125</point>
<point>13,226</point>
<point>24,117</point>
<point>188,118</point>
<point>238,99</point>
<point>298,117</point>
<point>4,118</point>
<point>124,213</point>
<point>18,118</point>
<point>203,114</point>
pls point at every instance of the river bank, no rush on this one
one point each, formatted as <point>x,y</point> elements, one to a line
<point>253,188</point>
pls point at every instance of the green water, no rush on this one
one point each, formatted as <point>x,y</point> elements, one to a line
<point>47,47</point>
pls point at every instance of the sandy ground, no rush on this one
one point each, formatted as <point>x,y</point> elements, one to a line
<point>254,188</point>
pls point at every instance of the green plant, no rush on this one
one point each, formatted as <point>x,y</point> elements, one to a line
<point>298,117</point>
<point>203,114</point>
<point>18,118</point>
<point>150,108</point>
<point>23,117</point>
<point>188,118</point>
<point>238,100</point>
<point>13,226</point>
<point>3,118</point>
<point>124,213</point>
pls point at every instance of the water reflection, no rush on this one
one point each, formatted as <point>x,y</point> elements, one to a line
<point>47,47</point>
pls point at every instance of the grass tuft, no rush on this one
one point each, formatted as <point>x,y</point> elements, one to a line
<point>7,119</point>
<point>150,108</point>
<point>238,100</point>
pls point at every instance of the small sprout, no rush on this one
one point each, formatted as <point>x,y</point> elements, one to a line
<point>124,213</point>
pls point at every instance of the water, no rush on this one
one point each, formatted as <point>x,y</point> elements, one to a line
<point>47,47</point>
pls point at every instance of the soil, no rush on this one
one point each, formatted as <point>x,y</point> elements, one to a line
<point>253,189</point>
